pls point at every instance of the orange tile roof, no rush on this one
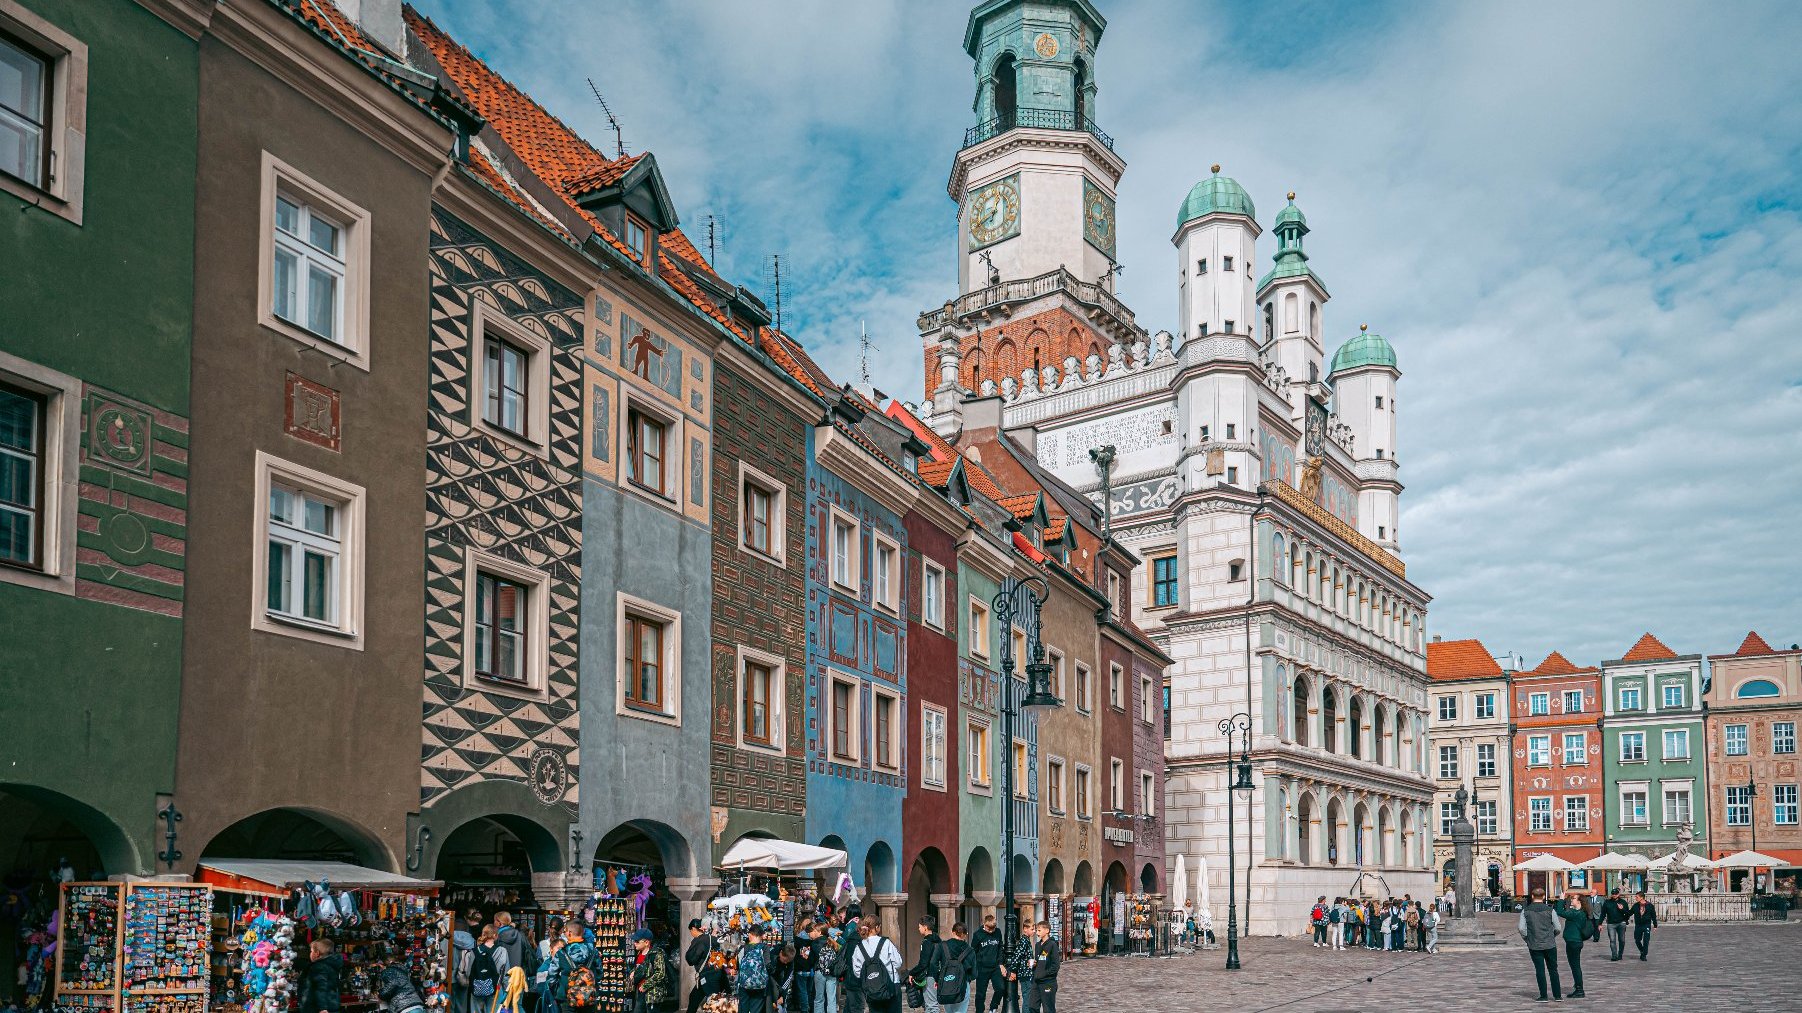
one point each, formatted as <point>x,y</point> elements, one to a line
<point>1021,506</point>
<point>325,15</point>
<point>1648,648</point>
<point>1557,664</point>
<point>979,477</point>
<point>936,473</point>
<point>605,176</point>
<point>1460,659</point>
<point>1055,530</point>
<point>490,174</point>
<point>1754,644</point>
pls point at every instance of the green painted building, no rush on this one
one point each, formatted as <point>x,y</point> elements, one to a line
<point>1654,751</point>
<point>96,321</point>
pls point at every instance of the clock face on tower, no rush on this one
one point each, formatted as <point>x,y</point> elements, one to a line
<point>1098,218</point>
<point>994,212</point>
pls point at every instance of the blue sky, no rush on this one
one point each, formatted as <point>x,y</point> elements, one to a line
<point>1578,225</point>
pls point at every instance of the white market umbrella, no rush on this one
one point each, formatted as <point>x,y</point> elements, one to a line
<point>1202,889</point>
<point>1544,863</point>
<point>1179,888</point>
<point>1693,862</point>
<point>1615,861</point>
<point>1749,860</point>
<point>768,853</point>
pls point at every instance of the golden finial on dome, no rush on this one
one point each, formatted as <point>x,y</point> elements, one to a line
<point>1363,327</point>
<point>1216,168</point>
<point>1292,196</point>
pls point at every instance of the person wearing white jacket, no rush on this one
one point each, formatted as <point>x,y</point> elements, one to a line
<point>873,945</point>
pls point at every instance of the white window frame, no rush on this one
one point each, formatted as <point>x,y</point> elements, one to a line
<point>778,667</point>
<point>1624,755</point>
<point>1055,787</point>
<point>1148,805</point>
<point>1055,658</point>
<point>675,455</point>
<point>353,340</point>
<point>932,605</point>
<point>1534,812</point>
<point>979,778</point>
<point>1147,713</point>
<point>1484,707</point>
<point>65,119</point>
<point>1744,739</point>
<point>749,478</point>
<point>672,660</point>
<point>1682,692</point>
<point>1116,784</point>
<point>1581,809</point>
<point>1630,816</point>
<point>1447,816</point>
<point>1784,807</point>
<point>1580,754</point>
<point>1565,701</point>
<point>978,632</point>
<point>933,750</point>
<point>1116,686</point>
<point>849,580</point>
<point>1445,704</point>
<point>1490,760</point>
<point>1085,688</point>
<point>60,460</point>
<point>1665,752</point>
<point>1670,815</point>
<point>536,439</point>
<point>897,732</point>
<point>1487,821</point>
<point>888,599</point>
<point>1081,795</point>
<point>1628,698</point>
<point>1787,743</point>
<point>854,737</point>
<point>537,625</point>
<point>352,501</point>
<point>1448,763</point>
<point>1539,704</point>
<point>1545,759</point>
<point>1022,761</point>
<point>1745,804</point>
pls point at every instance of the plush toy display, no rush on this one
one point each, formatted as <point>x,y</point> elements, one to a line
<point>266,952</point>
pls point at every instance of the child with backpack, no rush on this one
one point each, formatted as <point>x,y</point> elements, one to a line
<point>754,977</point>
<point>576,973</point>
<point>488,968</point>
<point>956,963</point>
<point>1317,920</point>
<point>876,966</point>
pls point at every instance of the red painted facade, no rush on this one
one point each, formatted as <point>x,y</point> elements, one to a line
<point>1558,709</point>
<point>929,813</point>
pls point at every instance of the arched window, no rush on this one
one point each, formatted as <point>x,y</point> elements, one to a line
<point>1082,98</point>
<point>1301,711</point>
<point>1283,730</point>
<point>1006,90</point>
<point>1291,313</point>
<point>975,362</point>
<point>1304,830</point>
<point>1758,687</point>
<point>1329,719</point>
<point>1313,319</point>
<point>1354,727</point>
<point>1007,360</point>
<point>1281,568</point>
<point>1269,322</point>
<point>1378,733</point>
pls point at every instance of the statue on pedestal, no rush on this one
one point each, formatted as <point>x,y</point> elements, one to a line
<point>1464,839</point>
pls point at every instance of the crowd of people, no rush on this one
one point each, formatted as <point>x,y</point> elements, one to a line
<point>1570,920</point>
<point>1389,925</point>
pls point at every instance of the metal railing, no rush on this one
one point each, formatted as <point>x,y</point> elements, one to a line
<point>1023,289</point>
<point>1036,119</point>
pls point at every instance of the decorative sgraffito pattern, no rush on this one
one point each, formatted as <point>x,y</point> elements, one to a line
<point>489,494</point>
<point>132,524</point>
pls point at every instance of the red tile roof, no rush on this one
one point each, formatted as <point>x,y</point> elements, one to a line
<point>936,473</point>
<point>325,15</point>
<point>1648,648</point>
<point>605,176</point>
<point>980,478</point>
<point>1021,506</point>
<point>1055,530</point>
<point>1460,659</point>
<point>1753,645</point>
<point>1558,664</point>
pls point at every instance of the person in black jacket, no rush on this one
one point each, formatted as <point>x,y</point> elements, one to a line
<point>986,963</point>
<point>1041,991</point>
<point>700,944</point>
<point>807,960</point>
<point>1645,919</point>
<point>925,972</point>
<point>852,1001</point>
<point>395,988</point>
<point>323,981</point>
<point>1614,916</point>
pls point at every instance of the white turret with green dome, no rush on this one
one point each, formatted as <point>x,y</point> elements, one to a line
<point>1363,376</point>
<point>1292,301</point>
<point>1216,248</point>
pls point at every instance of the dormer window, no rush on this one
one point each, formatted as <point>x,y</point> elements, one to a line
<point>638,237</point>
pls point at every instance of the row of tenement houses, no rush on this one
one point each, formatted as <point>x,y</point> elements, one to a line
<point>1622,757</point>
<point>397,483</point>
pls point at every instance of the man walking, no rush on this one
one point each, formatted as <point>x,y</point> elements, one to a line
<point>1614,915</point>
<point>1645,919</point>
<point>1041,994</point>
<point>1578,928</point>
<point>1539,928</point>
<point>987,946</point>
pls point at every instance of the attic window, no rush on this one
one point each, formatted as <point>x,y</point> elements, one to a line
<point>1228,261</point>
<point>638,237</point>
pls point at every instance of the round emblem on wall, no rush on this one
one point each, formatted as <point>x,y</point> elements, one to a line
<point>550,777</point>
<point>1046,44</point>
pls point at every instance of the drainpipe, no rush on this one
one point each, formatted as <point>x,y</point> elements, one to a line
<point>1251,598</point>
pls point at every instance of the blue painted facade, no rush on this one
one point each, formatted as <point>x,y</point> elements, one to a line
<point>856,803</point>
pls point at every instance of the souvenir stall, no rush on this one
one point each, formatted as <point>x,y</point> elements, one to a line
<point>132,947</point>
<point>265,914</point>
<point>1141,922</point>
<point>29,920</point>
<point>1085,922</point>
<point>612,915</point>
<point>768,884</point>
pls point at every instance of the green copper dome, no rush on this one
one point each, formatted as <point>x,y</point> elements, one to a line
<point>1291,262</point>
<point>1215,195</point>
<point>1291,213</point>
<point>1366,349</point>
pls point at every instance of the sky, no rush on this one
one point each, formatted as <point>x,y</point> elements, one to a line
<point>1577,224</point>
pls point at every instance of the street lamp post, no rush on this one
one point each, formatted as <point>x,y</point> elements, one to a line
<point>1752,815</point>
<point>1238,780</point>
<point>1008,608</point>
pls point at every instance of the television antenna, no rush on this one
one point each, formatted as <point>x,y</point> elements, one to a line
<point>619,144</point>
<point>772,281</point>
<point>865,348</point>
<point>715,224</point>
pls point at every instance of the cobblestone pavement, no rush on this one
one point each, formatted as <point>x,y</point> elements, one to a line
<point>1690,969</point>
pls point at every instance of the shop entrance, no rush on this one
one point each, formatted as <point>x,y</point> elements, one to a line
<point>302,834</point>
<point>930,874</point>
<point>637,851</point>
<point>979,877</point>
<point>1082,920</point>
<point>1113,906</point>
<point>42,843</point>
<point>487,864</point>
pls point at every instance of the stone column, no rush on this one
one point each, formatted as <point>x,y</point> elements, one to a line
<point>949,907</point>
<point>561,891</point>
<point>1464,837</point>
<point>693,894</point>
<point>987,900</point>
<point>1023,903</point>
<point>889,907</point>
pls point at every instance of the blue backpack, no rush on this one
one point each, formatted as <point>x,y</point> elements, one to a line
<point>753,968</point>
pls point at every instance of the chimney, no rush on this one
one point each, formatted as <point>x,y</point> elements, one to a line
<point>380,21</point>
<point>982,413</point>
<point>1437,638</point>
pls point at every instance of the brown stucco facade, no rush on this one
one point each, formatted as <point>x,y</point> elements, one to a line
<point>321,723</point>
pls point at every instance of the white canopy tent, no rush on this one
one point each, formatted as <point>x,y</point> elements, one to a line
<point>1749,860</point>
<point>1691,863</point>
<point>1544,863</point>
<point>1615,861</point>
<point>782,856</point>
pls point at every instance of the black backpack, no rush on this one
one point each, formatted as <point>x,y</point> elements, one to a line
<point>484,974</point>
<point>874,975</point>
<point>841,964</point>
<point>953,975</point>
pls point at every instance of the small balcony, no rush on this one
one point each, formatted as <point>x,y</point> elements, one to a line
<point>1035,119</point>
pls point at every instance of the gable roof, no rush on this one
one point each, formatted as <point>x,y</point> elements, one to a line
<point>1753,645</point>
<point>1557,664</point>
<point>1460,659</point>
<point>1648,648</point>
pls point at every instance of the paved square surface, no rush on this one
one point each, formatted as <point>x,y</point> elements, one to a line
<point>1746,968</point>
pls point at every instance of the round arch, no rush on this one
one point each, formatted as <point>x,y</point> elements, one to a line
<point>1149,880</point>
<point>1083,883</point>
<point>979,872</point>
<point>1360,834</point>
<point>1116,878</point>
<point>647,843</point>
<point>1354,726</point>
<point>879,869</point>
<point>1051,883</point>
<point>29,812</point>
<point>1329,717</point>
<point>1299,697</point>
<point>1023,879</point>
<point>1385,825</point>
<point>508,804</point>
<point>1304,827</point>
<point>301,832</point>
<point>1335,820</point>
<point>1004,76</point>
<point>1406,854</point>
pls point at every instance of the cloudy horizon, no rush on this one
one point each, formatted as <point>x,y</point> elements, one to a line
<point>1577,226</point>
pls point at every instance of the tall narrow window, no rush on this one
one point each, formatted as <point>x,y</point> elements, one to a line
<point>1082,793</point>
<point>1485,759</point>
<point>886,576</point>
<point>500,640</point>
<point>1117,786</point>
<point>844,552</point>
<point>1083,689</point>
<point>1783,737</point>
<point>1148,794</point>
<point>644,663</point>
<point>1163,581</point>
<point>305,544</point>
<point>844,715</point>
<point>1022,771</point>
<point>646,453</point>
<point>758,714</point>
<point>308,285</point>
<point>505,374</point>
<point>22,418</point>
<point>758,507</point>
<point>1783,804</point>
<point>932,596</point>
<point>1054,786</point>
<point>932,747</point>
<point>1576,812</point>
<point>979,761</point>
<point>638,237</point>
<point>24,113</point>
<point>886,719</point>
<point>1739,805</point>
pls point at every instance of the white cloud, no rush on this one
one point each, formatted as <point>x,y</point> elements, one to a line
<point>1577,224</point>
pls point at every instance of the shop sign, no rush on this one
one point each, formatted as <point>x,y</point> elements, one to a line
<point>1117,835</point>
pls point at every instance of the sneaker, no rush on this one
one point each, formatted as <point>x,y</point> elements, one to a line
<point>1578,994</point>
<point>1542,999</point>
